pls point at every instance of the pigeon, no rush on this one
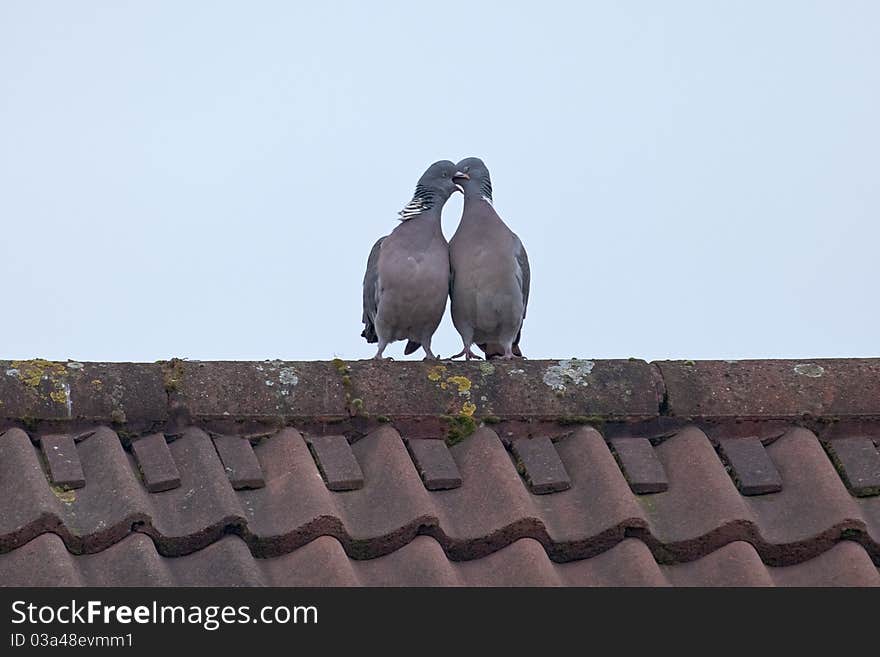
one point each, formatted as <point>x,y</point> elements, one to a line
<point>407,279</point>
<point>489,271</point>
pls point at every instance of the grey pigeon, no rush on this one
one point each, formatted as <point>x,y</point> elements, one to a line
<point>407,278</point>
<point>489,282</point>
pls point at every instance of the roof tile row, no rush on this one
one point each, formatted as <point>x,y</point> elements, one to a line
<point>134,561</point>
<point>493,507</point>
<point>857,458</point>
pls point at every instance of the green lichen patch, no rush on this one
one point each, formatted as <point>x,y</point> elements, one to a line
<point>173,375</point>
<point>126,436</point>
<point>353,405</point>
<point>458,427</point>
<point>491,419</point>
<point>64,494</point>
<point>596,421</point>
<point>850,534</point>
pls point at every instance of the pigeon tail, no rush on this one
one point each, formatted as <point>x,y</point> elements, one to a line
<point>369,333</point>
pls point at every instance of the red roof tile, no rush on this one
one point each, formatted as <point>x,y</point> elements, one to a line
<point>557,473</point>
<point>134,561</point>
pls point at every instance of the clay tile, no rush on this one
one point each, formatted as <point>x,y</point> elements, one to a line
<point>156,463</point>
<point>858,462</point>
<point>752,469</point>
<point>336,461</point>
<point>434,463</point>
<point>65,468</point>
<point>239,461</point>
<point>541,465</point>
<point>640,465</point>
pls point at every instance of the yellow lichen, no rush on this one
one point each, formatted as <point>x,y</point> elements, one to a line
<point>463,383</point>
<point>443,385</point>
<point>65,495</point>
<point>97,384</point>
<point>435,372</point>
<point>31,372</point>
<point>59,396</point>
<point>468,408</point>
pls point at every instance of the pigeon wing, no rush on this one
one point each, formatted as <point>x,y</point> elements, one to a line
<point>371,293</point>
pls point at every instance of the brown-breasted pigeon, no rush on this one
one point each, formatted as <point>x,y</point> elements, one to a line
<point>407,278</point>
<point>489,281</point>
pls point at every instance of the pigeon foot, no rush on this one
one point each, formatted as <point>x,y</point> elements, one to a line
<point>467,353</point>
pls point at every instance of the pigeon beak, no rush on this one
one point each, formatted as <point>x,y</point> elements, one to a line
<point>460,175</point>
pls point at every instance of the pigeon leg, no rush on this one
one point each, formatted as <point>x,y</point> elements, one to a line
<point>382,345</point>
<point>508,353</point>
<point>426,345</point>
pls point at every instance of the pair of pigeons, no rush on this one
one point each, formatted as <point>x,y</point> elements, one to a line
<point>483,269</point>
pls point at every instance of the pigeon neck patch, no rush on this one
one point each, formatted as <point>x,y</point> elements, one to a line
<point>486,189</point>
<point>423,199</point>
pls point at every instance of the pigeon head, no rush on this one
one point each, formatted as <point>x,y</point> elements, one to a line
<point>438,179</point>
<point>473,176</point>
<point>433,189</point>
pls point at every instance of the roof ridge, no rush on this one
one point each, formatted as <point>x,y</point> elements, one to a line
<point>258,397</point>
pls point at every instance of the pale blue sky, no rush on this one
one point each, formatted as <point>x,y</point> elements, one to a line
<point>205,180</point>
